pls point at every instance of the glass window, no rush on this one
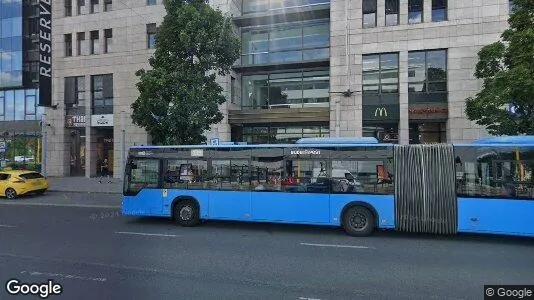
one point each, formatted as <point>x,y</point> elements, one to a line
<point>415,11</point>
<point>9,114</point>
<point>286,90</point>
<point>494,172</point>
<point>108,40</point>
<point>151,35</point>
<point>81,6</point>
<point>2,101</point>
<point>511,6</point>
<point>30,105</point>
<point>68,44</point>
<point>102,93</point>
<point>151,2</point>
<point>384,133</point>
<point>19,105</point>
<point>392,12</point>
<point>282,134</point>
<point>286,43</point>
<point>305,176</point>
<point>266,169</point>
<point>428,133</point>
<point>231,175</point>
<point>94,6</point>
<point>7,28</point>
<point>365,175</point>
<point>95,42</point>
<point>381,73</point>
<point>108,5</point>
<point>439,10</point>
<point>255,91</point>
<point>144,173</point>
<point>68,8</point>
<point>186,174</point>
<point>80,43</point>
<point>369,13</point>
<point>427,71</point>
<point>316,36</point>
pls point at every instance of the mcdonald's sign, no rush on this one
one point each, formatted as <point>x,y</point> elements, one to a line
<point>381,112</point>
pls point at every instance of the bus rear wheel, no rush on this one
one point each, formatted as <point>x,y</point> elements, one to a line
<point>186,213</point>
<point>358,221</point>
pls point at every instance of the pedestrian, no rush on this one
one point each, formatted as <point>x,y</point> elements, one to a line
<point>104,170</point>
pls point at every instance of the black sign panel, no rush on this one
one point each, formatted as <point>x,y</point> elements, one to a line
<point>45,53</point>
<point>381,112</point>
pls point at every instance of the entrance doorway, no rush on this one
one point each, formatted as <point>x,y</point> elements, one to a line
<point>77,152</point>
<point>104,149</point>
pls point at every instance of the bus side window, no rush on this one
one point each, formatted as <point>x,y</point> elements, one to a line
<point>144,173</point>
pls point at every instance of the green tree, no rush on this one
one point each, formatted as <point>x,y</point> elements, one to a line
<point>507,70</point>
<point>179,97</point>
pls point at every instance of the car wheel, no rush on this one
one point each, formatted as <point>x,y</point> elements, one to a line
<point>358,221</point>
<point>11,193</point>
<point>186,213</point>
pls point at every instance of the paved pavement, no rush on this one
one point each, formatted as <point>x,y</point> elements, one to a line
<point>74,199</point>
<point>87,185</point>
<point>95,253</point>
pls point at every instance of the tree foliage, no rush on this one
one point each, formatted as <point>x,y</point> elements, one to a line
<point>179,97</point>
<point>507,70</point>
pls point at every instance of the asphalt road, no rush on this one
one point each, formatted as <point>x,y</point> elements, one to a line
<point>95,253</point>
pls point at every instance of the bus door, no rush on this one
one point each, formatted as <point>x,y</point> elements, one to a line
<point>143,194</point>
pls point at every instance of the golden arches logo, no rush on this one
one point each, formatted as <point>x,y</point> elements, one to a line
<point>381,111</point>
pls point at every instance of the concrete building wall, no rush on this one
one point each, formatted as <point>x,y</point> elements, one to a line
<point>470,26</point>
<point>128,53</point>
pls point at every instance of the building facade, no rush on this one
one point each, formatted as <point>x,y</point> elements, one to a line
<point>397,70</point>
<point>20,115</point>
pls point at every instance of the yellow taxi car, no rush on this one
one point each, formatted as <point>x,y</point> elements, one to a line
<point>16,183</point>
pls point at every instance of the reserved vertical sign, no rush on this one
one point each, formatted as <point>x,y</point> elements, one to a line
<point>45,53</point>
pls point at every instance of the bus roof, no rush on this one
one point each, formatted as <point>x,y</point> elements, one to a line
<point>226,146</point>
<point>507,140</point>
<point>338,141</point>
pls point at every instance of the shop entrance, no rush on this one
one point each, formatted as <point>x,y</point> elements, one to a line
<point>77,152</point>
<point>104,149</point>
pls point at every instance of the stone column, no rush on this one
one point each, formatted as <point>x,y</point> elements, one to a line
<point>404,118</point>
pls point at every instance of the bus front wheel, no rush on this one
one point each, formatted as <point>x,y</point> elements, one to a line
<point>358,221</point>
<point>186,213</point>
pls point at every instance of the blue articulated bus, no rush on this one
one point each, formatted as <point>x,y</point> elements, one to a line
<point>354,183</point>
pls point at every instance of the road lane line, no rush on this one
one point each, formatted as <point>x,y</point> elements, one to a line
<point>146,234</point>
<point>61,205</point>
<point>7,226</point>
<point>67,276</point>
<point>336,246</point>
<point>305,298</point>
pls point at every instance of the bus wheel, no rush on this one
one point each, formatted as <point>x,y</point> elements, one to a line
<point>186,213</point>
<point>358,221</point>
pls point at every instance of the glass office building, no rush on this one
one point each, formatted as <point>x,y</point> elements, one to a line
<point>19,112</point>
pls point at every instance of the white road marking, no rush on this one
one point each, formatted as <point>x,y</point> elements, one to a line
<point>305,298</point>
<point>7,226</point>
<point>146,234</point>
<point>59,275</point>
<point>336,246</point>
<point>60,205</point>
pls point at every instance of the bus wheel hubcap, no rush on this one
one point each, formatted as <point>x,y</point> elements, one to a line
<point>186,213</point>
<point>358,221</point>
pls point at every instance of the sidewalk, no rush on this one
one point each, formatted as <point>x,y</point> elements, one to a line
<point>85,185</point>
